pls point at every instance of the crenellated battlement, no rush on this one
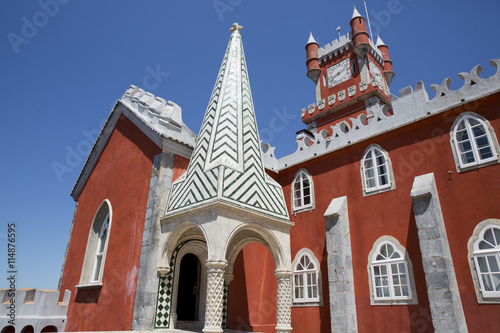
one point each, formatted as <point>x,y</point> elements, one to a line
<point>154,108</point>
<point>38,308</point>
<point>409,107</point>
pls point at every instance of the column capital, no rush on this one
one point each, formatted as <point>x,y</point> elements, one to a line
<point>283,274</point>
<point>216,264</point>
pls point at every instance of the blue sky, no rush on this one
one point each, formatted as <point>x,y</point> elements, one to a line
<point>64,63</point>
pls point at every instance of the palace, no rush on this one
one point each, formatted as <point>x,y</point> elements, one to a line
<point>385,218</point>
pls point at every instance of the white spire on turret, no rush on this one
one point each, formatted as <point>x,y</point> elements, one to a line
<point>311,39</point>
<point>380,42</point>
<point>355,13</point>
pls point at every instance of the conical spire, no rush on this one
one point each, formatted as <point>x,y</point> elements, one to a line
<point>311,39</point>
<point>380,42</point>
<point>355,14</point>
<point>226,164</point>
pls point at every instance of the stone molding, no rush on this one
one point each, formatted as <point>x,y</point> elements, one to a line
<point>284,301</point>
<point>442,287</point>
<point>340,273</point>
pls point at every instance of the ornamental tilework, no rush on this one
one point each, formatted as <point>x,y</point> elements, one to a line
<point>165,293</point>
<point>224,305</point>
<point>226,163</point>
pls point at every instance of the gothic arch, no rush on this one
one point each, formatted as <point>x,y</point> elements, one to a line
<point>251,232</point>
<point>184,231</point>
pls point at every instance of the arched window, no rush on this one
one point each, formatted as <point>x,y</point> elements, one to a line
<point>97,244</point>
<point>101,245</point>
<point>473,141</point>
<point>487,260</point>
<point>376,170</point>
<point>305,278</point>
<point>302,192</point>
<point>391,275</point>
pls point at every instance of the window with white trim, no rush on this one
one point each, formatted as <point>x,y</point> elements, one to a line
<point>473,142</point>
<point>305,280</point>
<point>97,245</point>
<point>302,191</point>
<point>487,261</point>
<point>376,170</point>
<point>101,245</point>
<point>391,277</point>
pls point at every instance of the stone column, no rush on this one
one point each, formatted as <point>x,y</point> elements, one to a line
<point>147,284</point>
<point>442,288</point>
<point>284,302</point>
<point>215,295</point>
<point>340,273</point>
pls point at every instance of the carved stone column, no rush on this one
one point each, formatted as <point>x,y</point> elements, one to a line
<point>215,295</point>
<point>284,300</point>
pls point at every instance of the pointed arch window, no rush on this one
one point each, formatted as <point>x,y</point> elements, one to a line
<point>376,170</point>
<point>97,245</point>
<point>302,191</point>
<point>391,273</point>
<point>474,142</point>
<point>305,280</point>
<point>487,261</point>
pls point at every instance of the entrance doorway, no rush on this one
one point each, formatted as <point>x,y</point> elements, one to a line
<point>188,292</point>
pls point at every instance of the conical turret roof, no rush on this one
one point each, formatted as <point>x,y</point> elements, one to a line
<point>226,163</point>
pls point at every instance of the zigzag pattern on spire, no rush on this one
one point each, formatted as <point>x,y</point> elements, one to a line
<point>227,162</point>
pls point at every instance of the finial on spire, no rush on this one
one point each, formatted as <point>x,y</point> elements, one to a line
<point>235,27</point>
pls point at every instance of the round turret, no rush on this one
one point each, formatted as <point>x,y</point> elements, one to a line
<point>312,62</point>
<point>360,36</point>
<point>388,73</point>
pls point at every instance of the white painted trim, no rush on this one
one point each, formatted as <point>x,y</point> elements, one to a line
<point>391,185</point>
<point>86,276</point>
<point>413,299</point>
<point>471,244</point>
<point>490,134</point>
<point>317,267</point>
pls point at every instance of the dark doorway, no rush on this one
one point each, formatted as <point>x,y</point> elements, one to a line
<point>187,296</point>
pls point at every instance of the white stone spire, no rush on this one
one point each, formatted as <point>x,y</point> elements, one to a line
<point>380,42</point>
<point>355,13</point>
<point>311,39</point>
<point>226,164</point>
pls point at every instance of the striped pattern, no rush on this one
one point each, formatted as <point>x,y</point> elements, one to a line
<point>226,162</point>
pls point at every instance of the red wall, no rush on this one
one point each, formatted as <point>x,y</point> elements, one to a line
<point>122,176</point>
<point>466,198</point>
<point>252,293</point>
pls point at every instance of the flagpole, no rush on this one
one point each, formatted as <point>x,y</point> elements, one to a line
<point>369,25</point>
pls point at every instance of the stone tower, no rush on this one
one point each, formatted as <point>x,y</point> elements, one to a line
<point>350,74</point>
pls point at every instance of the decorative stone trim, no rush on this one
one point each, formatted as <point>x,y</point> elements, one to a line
<point>442,288</point>
<point>284,300</point>
<point>410,107</point>
<point>215,295</point>
<point>340,273</point>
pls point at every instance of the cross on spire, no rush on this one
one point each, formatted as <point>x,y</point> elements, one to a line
<point>235,27</point>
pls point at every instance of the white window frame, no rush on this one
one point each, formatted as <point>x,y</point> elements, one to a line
<point>483,295</point>
<point>370,156</point>
<point>489,134</point>
<point>300,177</point>
<point>307,299</point>
<point>392,298</point>
<point>92,271</point>
<point>100,251</point>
